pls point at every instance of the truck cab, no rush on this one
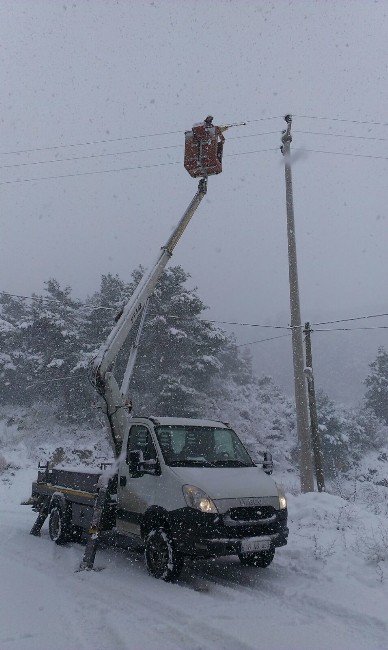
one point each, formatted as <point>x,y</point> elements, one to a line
<point>189,487</point>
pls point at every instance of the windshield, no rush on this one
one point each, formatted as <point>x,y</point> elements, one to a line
<point>187,446</point>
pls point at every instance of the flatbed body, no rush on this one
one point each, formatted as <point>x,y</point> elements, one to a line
<point>79,489</point>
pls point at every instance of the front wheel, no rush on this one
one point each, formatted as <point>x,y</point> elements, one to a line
<point>261,560</point>
<point>162,559</point>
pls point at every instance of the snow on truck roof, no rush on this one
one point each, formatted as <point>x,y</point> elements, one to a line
<point>188,422</point>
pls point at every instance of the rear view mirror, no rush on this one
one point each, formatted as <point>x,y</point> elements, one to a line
<point>137,464</point>
<point>268,463</point>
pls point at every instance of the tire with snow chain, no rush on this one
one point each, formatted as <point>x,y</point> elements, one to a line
<point>261,560</point>
<point>162,559</point>
<point>59,524</point>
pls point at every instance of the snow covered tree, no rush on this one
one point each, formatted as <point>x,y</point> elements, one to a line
<point>346,433</point>
<point>180,353</point>
<point>43,348</point>
<point>334,435</point>
<point>183,360</point>
<point>376,397</point>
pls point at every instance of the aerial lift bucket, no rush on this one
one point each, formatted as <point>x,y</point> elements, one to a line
<point>203,149</point>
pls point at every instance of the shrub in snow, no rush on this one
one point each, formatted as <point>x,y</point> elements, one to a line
<point>373,544</point>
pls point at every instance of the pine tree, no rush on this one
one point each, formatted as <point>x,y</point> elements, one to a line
<point>49,343</point>
<point>44,347</point>
<point>346,434</point>
<point>376,397</point>
<point>14,322</point>
<point>180,353</point>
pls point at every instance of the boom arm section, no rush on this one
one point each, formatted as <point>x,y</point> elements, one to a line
<point>105,382</point>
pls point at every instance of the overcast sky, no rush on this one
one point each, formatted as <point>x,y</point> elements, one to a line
<point>75,72</point>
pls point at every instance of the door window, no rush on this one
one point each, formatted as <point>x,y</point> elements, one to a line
<point>139,439</point>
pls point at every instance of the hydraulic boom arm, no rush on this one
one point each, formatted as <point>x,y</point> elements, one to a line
<point>105,382</point>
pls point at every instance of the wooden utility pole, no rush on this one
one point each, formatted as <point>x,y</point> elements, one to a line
<point>315,436</point>
<point>301,402</point>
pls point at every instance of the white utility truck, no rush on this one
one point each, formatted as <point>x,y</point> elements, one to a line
<point>179,487</point>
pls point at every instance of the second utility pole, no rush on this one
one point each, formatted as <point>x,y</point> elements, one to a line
<point>315,435</point>
<point>301,403</point>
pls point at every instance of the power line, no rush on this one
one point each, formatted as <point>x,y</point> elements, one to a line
<point>91,142</point>
<point>121,153</point>
<point>341,153</point>
<point>97,155</point>
<point>224,322</point>
<point>109,140</point>
<point>346,320</point>
<point>340,119</point>
<point>101,171</point>
<point>338,135</point>
<point>178,162</point>
<point>164,133</point>
<point>272,338</point>
<point>336,329</point>
<point>352,329</point>
<point>208,320</point>
<point>121,169</point>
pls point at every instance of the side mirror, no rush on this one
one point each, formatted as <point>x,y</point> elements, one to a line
<point>268,463</point>
<point>137,464</point>
<point>150,466</point>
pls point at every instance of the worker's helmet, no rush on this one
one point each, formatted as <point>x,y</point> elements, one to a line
<point>209,119</point>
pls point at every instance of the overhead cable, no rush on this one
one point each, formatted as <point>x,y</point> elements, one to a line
<point>345,320</point>
<point>338,135</point>
<point>164,133</point>
<point>340,119</point>
<point>121,169</point>
<point>91,142</point>
<point>100,171</point>
<point>352,329</point>
<point>109,140</point>
<point>208,320</point>
<point>119,153</point>
<point>342,153</point>
<point>96,155</point>
<point>272,338</point>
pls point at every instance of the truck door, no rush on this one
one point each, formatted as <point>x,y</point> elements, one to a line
<point>135,491</point>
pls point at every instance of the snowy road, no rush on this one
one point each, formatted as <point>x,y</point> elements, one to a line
<point>319,593</point>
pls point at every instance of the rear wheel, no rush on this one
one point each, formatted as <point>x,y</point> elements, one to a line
<point>59,524</point>
<point>162,559</point>
<point>262,559</point>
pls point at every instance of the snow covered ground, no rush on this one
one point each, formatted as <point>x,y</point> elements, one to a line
<point>327,589</point>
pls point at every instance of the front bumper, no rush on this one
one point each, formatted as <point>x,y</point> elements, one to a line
<point>209,535</point>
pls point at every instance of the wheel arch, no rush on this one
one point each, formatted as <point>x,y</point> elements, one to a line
<point>156,516</point>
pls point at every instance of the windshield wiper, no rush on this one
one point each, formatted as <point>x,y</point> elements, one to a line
<point>191,463</point>
<point>231,463</point>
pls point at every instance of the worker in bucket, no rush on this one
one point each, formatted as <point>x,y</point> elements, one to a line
<point>208,121</point>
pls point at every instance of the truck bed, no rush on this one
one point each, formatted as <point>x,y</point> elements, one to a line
<point>85,480</point>
<point>79,488</point>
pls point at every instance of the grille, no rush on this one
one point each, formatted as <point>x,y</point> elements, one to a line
<point>252,513</point>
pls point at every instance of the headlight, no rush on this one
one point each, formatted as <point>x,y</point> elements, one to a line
<point>198,499</point>
<point>282,499</point>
